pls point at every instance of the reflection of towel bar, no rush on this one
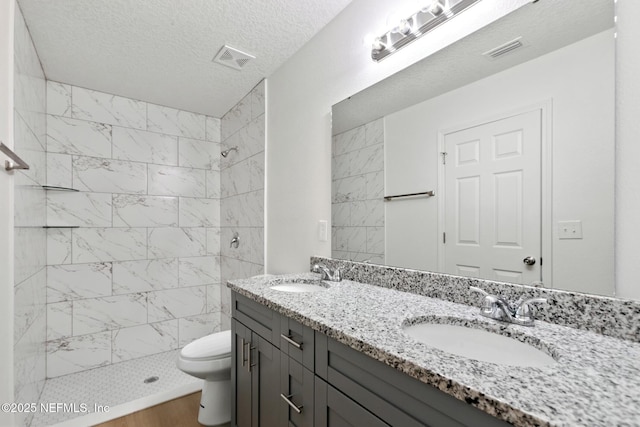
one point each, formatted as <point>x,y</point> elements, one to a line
<point>424,193</point>
<point>19,163</point>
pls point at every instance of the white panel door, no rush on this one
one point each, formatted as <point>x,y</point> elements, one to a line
<point>493,199</point>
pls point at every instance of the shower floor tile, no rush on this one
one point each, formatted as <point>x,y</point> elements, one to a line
<point>111,385</point>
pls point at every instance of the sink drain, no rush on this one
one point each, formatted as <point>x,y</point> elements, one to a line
<point>151,380</point>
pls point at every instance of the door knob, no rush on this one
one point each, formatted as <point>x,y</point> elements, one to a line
<point>529,260</point>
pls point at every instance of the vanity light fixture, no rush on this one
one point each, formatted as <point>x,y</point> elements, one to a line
<point>431,15</point>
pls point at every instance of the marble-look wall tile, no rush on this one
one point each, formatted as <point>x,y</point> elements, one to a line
<point>375,240</point>
<point>81,209</point>
<point>258,100</point>
<point>28,300</point>
<point>374,132</point>
<point>106,108</point>
<point>30,252</point>
<point>243,251</point>
<point>213,129</point>
<point>341,166</point>
<point>144,340</point>
<point>194,327</point>
<point>75,354</point>
<point>107,313</point>
<point>77,281</point>
<point>58,246</point>
<point>29,206</point>
<point>356,239</point>
<point>196,271</point>
<point>199,212</point>
<point>59,170</point>
<point>375,185</point>
<point>109,176</point>
<point>236,118</point>
<point>257,245</point>
<point>70,136</point>
<point>369,159</point>
<point>198,154</point>
<point>175,122</point>
<point>177,303</point>
<point>214,302</point>
<point>144,211</point>
<point>341,214</point>
<point>213,184</point>
<point>256,172</point>
<point>29,368</point>
<point>213,241</point>
<point>367,213</point>
<point>58,99</point>
<point>350,140</point>
<point>349,189</point>
<point>59,317</point>
<point>236,179</point>
<point>145,275</point>
<point>175,181</point>
<point>108,244</point>
<point>177,242</point>
<point>142,146</point>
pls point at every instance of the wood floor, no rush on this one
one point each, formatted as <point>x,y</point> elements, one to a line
<point>181,412</point>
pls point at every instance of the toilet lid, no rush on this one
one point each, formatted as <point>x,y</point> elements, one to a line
<point>214,346</point>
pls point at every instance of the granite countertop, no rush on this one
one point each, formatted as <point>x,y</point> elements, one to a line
<point>595,382</point>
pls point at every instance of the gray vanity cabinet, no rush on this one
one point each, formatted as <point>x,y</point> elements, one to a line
<point>286,374</point>
<point>256,379</point>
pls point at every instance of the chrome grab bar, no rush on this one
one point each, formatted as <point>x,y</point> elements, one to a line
<point>430,193</point>
<point>17,162</point>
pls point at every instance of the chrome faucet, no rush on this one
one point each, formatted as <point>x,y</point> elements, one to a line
<point>327,274</point>
<point>495,307</point>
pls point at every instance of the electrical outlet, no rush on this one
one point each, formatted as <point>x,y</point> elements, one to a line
<point>569,229</point>
<point>323,230</point>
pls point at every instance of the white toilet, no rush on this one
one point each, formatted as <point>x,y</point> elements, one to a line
<point>209,358</point>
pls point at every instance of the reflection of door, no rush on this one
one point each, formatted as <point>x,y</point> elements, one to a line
<point>493,199</point>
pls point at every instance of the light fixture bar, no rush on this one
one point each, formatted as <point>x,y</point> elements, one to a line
<point>420,23</point>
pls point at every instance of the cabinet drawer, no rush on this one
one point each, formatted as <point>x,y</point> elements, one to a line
<point>334,409</point>
<point>298,341</point>
<point>260,319</point>
<point>296,385</point>
<point>392,396</point>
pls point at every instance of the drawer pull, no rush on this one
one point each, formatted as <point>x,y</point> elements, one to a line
<point>244,357</point>
<point>288,339</point>
<point>287,399</point>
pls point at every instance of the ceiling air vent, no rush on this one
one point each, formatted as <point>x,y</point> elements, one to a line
<point>504,49</point>
<point>232,57</point>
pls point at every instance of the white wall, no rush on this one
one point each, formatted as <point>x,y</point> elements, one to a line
<point>582,150</point>
<point>7,11</point>
<point>330,67</point>
<point>627,150</point>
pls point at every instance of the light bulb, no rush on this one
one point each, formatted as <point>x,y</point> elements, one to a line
<point>377,44</point>
<point>403,27</point>
<point>435,8</point>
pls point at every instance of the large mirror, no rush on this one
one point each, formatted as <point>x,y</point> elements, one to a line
<point>492,158</point>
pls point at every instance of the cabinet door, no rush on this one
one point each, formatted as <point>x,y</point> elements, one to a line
<point>264,359</point>
<point>240,375</point>
<point>334,409</point>
<point>296,393</point>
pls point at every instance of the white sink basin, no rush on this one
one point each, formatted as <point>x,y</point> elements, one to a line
<point>298,287</point>
<point>479,345</point>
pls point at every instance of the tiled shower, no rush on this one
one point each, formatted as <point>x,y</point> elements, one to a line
<point>136,251</point>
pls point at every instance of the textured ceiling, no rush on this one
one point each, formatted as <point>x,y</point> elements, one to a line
<point>545,26</point>
<point>161,50</point>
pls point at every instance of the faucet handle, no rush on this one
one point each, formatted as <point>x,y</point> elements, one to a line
<point>524,312</point>
<point>478,290</point>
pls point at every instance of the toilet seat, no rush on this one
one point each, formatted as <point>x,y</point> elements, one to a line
<point>212,347</point>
